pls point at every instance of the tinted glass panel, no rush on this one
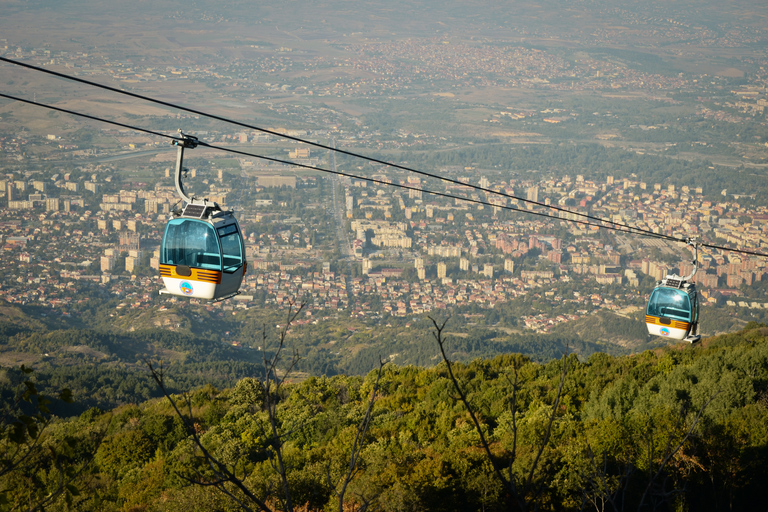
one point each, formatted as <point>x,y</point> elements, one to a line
<point>670,303</point>
<point>227,230</point>
<point>232,247</point>
<point>192,243</point>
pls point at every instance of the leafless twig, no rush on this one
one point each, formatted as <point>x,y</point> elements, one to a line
<point>222,474</point>
<point>526,497</point>
<point>670,452</point>
<point>357,446</point>
<point>272,385</point>
<point>226,479</point>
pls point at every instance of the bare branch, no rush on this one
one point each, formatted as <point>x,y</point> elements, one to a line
<point>521,498</point>
<point>552,416</point>
<point>671,453</point>
<point>222,474</point>
<point>357,445</point>
<point>599,482</point>
<point>272,380</point>
<point>438,335</point>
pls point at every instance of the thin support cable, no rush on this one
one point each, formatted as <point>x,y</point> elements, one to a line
<point>318,145</point>
<point>613,226</point>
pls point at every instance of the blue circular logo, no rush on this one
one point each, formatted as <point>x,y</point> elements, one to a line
<point>186,288</point>
<point>664,331</point>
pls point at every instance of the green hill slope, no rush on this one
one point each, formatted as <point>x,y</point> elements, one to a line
<point>682,427</point>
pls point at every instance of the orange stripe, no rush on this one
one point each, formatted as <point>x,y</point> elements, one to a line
<point>674,323</point>
<point>198,274</point>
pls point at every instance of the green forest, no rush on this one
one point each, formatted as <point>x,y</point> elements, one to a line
<point>676,428</point>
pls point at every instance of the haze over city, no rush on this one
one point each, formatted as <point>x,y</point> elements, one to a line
<point>649,116</point>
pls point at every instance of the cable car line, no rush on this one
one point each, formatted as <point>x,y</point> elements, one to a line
<point>624,227</point>
<point>323,146</point>
<point>340,173</point>
<point>203,251</point>
<point>645,233</point>
<point>616,227</point>
<point>408,187</point>
<point>94,118</point>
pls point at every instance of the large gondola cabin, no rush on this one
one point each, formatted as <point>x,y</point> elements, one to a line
<point>673,310</point>
<point>203,254</point>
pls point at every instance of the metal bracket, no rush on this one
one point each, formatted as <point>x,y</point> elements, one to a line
<point>693,241</point>
<point>187,142</point>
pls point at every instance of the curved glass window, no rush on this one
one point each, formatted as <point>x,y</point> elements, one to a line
<point>231,247</point>
<point>192,243</point>
<point>670,303</point>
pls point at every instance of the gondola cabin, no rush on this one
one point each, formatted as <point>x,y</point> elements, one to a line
<point>202,255</point>
<point>673,310</point>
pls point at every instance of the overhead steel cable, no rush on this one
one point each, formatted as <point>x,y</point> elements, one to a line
<point>475,201</point>
<point>326,147</point>
<point>620,228</point>
<point>320,169</point>
<point>315,168</point>
<point>728,249</point>
<point>94,118</point>
<point>408,187</point>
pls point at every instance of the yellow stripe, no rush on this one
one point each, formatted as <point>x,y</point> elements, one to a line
<point>673,323</point>
<point>204,276</point>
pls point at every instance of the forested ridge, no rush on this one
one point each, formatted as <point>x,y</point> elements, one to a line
<point>101,359</point>
<point>679,428</point>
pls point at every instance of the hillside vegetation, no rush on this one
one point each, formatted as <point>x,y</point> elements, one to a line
<point>683,428</point>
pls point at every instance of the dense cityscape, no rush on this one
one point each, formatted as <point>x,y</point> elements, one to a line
<point>67,230</point>
<point>369,250</point>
